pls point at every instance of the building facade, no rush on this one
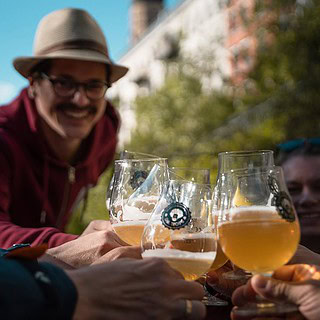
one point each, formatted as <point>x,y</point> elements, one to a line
<point>195,29</point>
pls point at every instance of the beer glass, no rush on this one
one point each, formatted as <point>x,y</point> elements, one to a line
<point>125,154</point>
<point>202,176</point>
<point>220,260</point>
<point>137,187</point>
<point>233,160</point>
<point>238,160</point>
<point>179,229</point>
<point>197,175</point>
<point>261,232</point>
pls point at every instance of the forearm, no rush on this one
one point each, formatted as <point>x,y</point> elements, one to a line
<point>72,254</point>
<point>11,234</point>
<point>53,260</point>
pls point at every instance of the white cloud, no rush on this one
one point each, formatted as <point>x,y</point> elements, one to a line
<point>7,92</point>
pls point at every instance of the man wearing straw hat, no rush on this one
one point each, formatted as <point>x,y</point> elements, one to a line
<point>58,136</point>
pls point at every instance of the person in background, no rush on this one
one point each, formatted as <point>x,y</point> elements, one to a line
<point>300,160</point>
<point>298,284</point>
<point>58,136</point>
<point>110,291</point>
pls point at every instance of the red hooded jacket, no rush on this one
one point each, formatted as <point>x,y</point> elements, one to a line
<point>38,191</point>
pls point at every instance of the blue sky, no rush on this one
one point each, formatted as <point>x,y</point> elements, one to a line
<point>19,19</point>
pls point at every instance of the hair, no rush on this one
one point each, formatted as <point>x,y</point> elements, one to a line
<point>108,75</point>
<point>307,150</point>
<point>42,67</point>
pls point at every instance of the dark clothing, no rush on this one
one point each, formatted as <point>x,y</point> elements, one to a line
<point>32,290</point>
<point>38,191</point>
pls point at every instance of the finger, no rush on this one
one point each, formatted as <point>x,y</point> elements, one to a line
<point>285,273</point>
<point>162,267</point>
<point>189,310</point>
<point>189,290</point>
<point>297,272</point>
<point>99,225</point>
<point>133,252</point>
<point>112,236</point>
<point>276,290</point>
<point>243,294</point>
<point>198,310</point>
<point>305,272</point>
<point>110,240</point>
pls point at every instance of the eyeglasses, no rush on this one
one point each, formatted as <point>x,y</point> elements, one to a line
<point>291,145</point>
<point>66,88</point>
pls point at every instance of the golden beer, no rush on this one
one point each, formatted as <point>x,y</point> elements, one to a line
<point>190,254</point>
<point>191,265</point>
<point>194,242</point>
<point>132,219</point>
<point>259,241</point>
<point>130,231</point>
<point>220,259</point>
<point>191,269</point>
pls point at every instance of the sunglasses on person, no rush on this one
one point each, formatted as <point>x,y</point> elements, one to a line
<point>291,145</point>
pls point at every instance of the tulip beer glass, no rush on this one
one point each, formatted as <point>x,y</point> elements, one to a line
<point>137,187</point>
<point>179,230</point>
<point>261,232</point>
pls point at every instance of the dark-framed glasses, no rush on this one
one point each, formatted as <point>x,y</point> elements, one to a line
<point>66,88</point>
<point>291,145</point>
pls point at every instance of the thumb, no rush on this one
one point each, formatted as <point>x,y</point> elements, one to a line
<point>276,290</point>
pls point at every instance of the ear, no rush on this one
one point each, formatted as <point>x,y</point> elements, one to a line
<point>31,88</point>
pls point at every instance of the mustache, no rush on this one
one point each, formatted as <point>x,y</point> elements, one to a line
<point>72,107</point>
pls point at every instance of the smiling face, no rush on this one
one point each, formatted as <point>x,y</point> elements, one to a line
<point>70,118</point>
<point>302,174</point>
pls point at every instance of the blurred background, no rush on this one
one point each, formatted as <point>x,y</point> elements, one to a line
<point>213,75</point>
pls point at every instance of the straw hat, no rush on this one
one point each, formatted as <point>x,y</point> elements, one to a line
<point>69,34</point>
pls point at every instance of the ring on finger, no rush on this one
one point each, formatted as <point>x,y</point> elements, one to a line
<point>188,308</point>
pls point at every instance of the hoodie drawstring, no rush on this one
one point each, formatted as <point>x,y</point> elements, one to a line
<point>45,183</point>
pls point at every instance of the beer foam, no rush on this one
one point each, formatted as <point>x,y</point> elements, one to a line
<point>190,236</point>
<point>254,213</point>
<point>178,254</point>
<point>129,223</point>
<point>133,213</point>
<point>140,208</point>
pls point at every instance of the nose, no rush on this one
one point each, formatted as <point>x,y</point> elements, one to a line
<point>308,197</point>
<point>80,98</point>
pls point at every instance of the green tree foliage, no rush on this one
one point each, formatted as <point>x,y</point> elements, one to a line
<point>92,207</point>
<point>174,120</point>
<point>287,65</point>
